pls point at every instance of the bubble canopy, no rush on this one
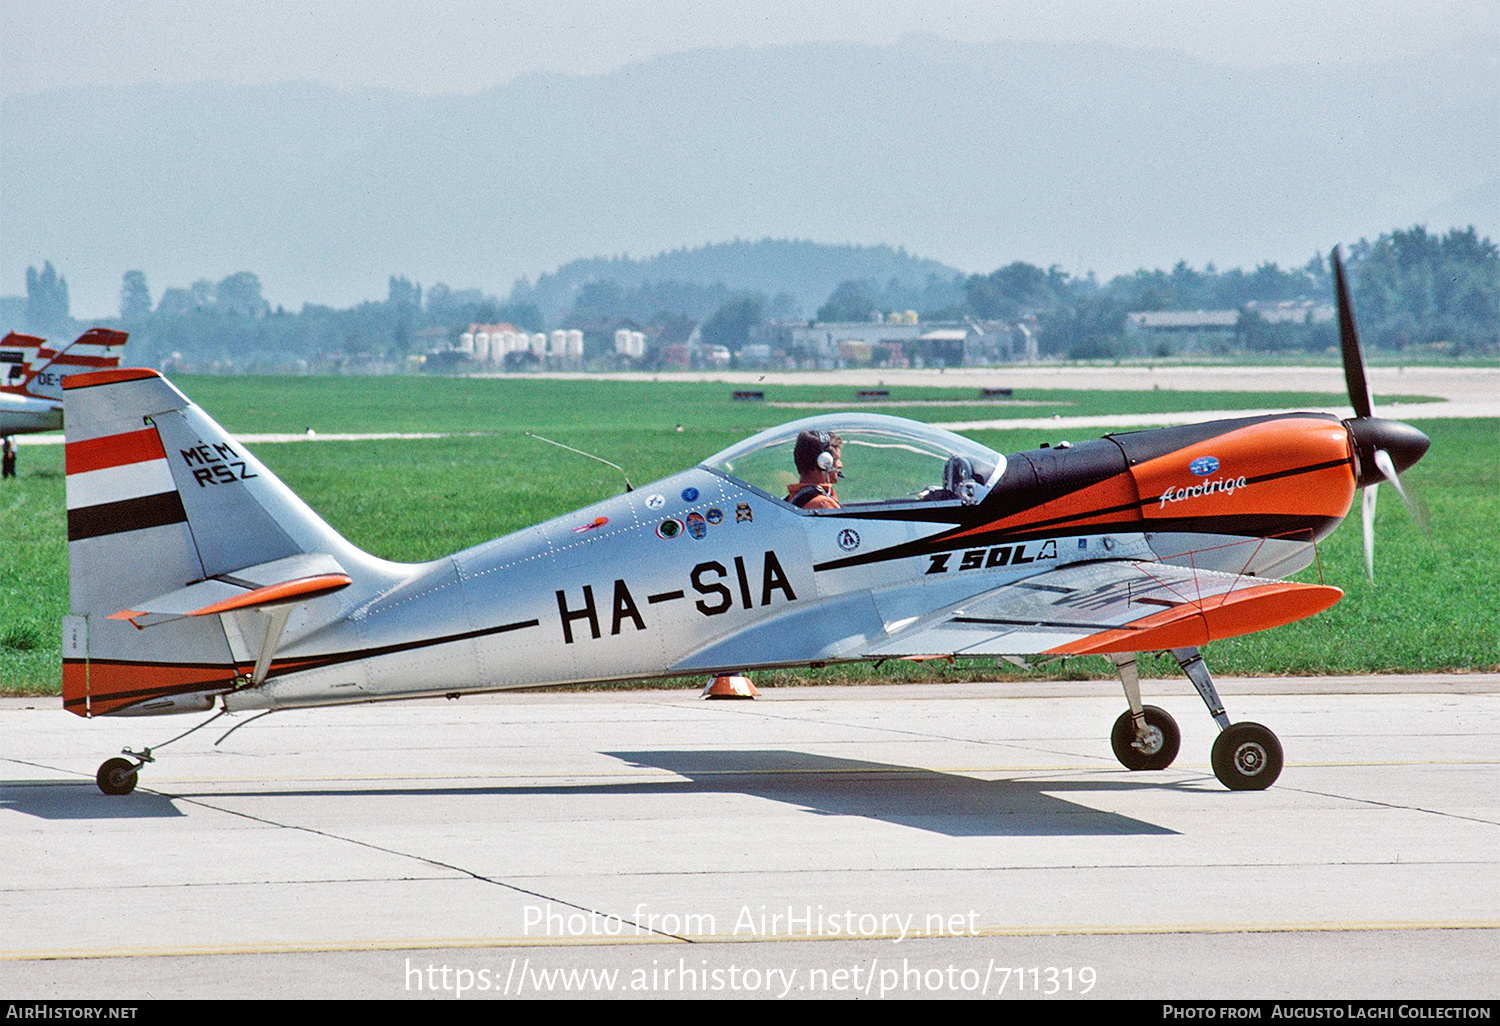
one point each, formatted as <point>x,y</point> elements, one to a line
<point>886,460</point>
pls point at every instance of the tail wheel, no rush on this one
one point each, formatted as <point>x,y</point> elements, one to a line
<point>1247,757</point>
<point>116,776</point>
<point>1156,749</point>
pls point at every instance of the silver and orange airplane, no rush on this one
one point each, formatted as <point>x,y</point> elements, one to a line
<point>200,580</point>
<point>32,375</point>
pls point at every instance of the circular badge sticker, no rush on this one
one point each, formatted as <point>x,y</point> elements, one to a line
<point>670,528</point>
<point>715,516</point>
<point>689,495</point>
<point>848,539</point>
<point>655,501</point>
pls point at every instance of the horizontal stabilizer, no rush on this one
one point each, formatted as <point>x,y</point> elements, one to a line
<point>282,582</point>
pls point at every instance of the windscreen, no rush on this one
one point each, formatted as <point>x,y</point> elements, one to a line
<point>885,459</point>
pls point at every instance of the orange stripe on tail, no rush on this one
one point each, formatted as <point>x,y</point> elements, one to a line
<point>113,451</point>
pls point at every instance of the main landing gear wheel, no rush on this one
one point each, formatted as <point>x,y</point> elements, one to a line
<point>116,776</point>
<point>1154,751</point>
<point>1246,757</point>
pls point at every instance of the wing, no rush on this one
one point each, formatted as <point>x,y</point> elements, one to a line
<point>1114,606</point>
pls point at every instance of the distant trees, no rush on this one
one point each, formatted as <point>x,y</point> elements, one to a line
<point>851,301</point>
<point>455,306</point>
<point>46,298</point>
<point>650,302</point>
<point>135,297</point>
<point>731,324</point>
<point>1411,287</point>
<point>523,315</point>
<point>937,297</point>
<point>697,281</point>
<point>239,296</point>
<point>403,294</point>
<point>1004,293</point>
<point>599,299</point>
<point>175,302</point>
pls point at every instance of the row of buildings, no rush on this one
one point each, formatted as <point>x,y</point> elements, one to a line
<point>1197,329</point>
<point>621,343</point>
<point>897,340</point>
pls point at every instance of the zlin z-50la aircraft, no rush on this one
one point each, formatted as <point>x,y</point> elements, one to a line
<point>200,580</point>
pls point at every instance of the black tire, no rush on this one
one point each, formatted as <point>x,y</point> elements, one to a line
<point>1247,757</point>
<point>116,776</point>
<point>1162,749</point>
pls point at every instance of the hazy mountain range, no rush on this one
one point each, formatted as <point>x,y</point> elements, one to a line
<point>969,155</point>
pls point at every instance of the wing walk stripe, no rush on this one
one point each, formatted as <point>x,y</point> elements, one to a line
<point>125,515</point>
<point>1068,624</point>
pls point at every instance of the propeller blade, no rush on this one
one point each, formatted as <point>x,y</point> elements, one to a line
<point>1354,363</point>
<point>1414,506</point>
<point>1367,520</point>
<point>1383,461</point>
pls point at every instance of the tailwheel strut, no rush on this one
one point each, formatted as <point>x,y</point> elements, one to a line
<point>119,776</point>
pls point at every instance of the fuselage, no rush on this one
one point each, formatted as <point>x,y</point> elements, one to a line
<point>22,414</point>
<point>705,571</point>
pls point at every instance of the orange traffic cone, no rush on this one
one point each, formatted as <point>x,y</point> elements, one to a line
<point>730,686</point>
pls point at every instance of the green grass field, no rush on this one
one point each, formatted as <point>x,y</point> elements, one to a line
<point>1436,604</point>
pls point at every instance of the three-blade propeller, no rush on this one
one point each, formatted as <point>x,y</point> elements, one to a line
<point>1383,448</point>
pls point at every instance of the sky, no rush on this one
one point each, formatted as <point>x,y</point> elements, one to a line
<point>464,46</point>
<point>446,47</point>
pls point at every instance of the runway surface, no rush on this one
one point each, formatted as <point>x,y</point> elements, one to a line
<point>971,838</point>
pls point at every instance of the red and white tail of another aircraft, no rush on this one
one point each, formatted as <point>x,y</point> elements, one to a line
<point>32,375</point>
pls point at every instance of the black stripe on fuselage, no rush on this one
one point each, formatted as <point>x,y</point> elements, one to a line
<point>287,666</point>
<point>334,658</point>
<point>1244,525</point>
<point>125,515</point>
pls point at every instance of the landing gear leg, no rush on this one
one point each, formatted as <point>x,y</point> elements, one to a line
<point>1246,756</point>
<point>1145,737</point>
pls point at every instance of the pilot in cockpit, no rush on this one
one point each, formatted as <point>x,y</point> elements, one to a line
<point>817,456</point>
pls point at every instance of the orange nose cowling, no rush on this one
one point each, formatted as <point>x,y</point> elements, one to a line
<point>1298,466</point>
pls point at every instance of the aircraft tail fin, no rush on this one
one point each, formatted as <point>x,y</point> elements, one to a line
<point>17,355</point>
<point>36,369</point>
<point>162,499</point>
